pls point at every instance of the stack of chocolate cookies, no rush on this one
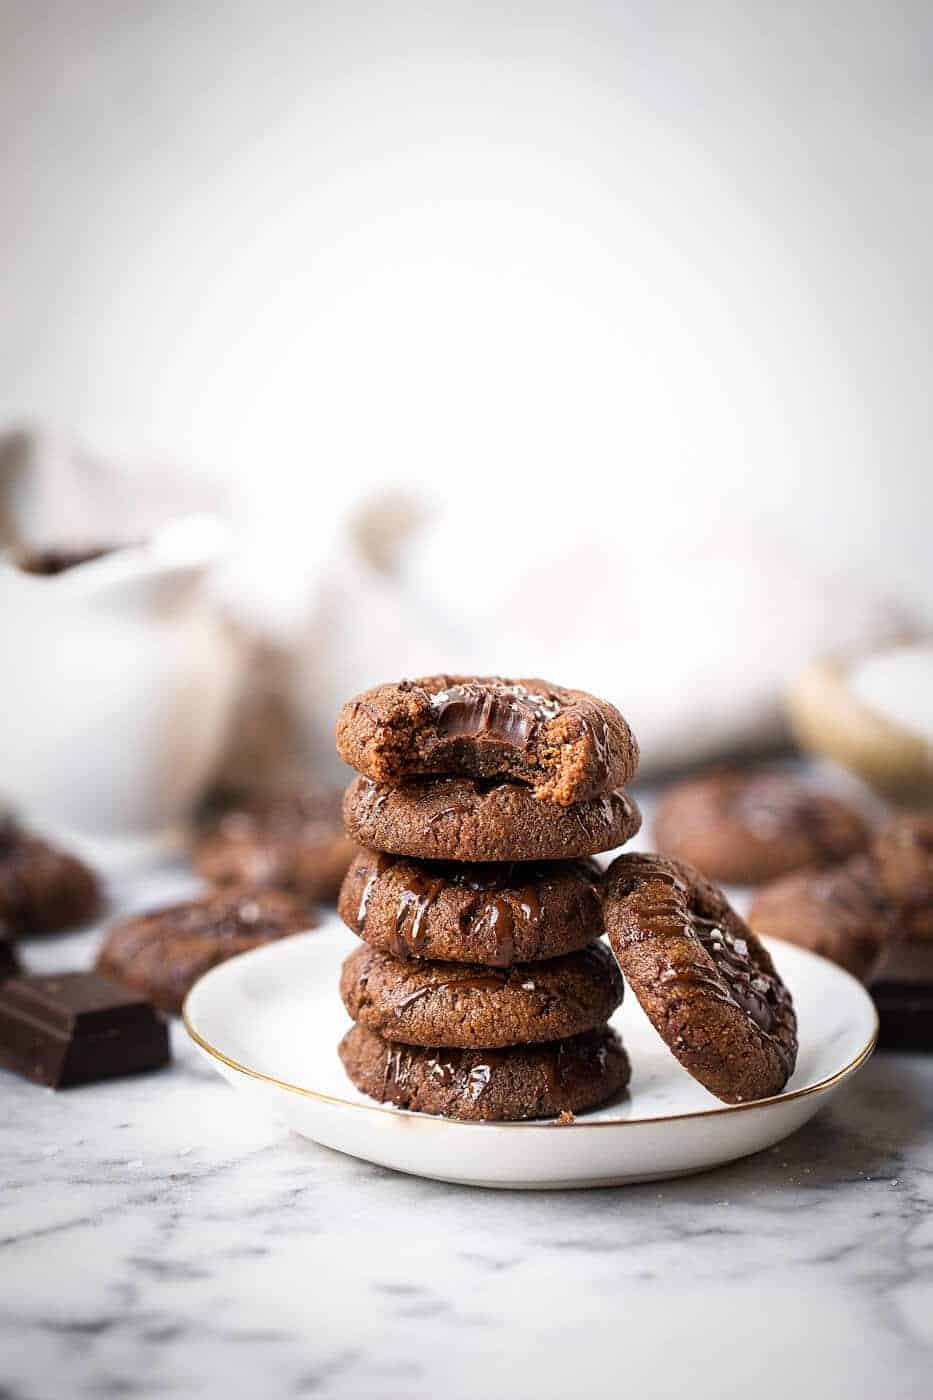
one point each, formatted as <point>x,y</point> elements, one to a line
<point>482,991</point>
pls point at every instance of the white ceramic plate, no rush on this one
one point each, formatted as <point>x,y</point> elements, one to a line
<point>270,1021</point>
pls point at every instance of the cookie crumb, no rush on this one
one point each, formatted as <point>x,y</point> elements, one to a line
<point>565,1119</point>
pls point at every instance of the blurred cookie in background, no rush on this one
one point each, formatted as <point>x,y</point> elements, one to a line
<point>903,990</point>
<point>841,913</point>
<point>903,850</point>
<point>163,952</point>
<point>42,888</point>
<point>742,827</point>
<point>293,842</point>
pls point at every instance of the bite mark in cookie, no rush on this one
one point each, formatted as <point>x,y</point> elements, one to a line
<point>565,744</point>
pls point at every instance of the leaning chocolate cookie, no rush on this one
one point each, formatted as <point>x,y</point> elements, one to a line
<point>42,889</point>
<point>567,745</point>
<point>744,827</point>
<point>163,953</point>
<point>489,1086</point>
<point>471,1006</point>
<point>495,914</point>
<point>903,851</point>
<point>294,842</point>
<point>473,820</point>
<point>841,913</point>
<point>707,984</point>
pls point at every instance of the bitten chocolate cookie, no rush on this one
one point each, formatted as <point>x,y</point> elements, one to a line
<point>42,889</point>
<point>492,914</point>
<point>841,913</point>
<point>473,820</point>
<point>164,952</point>
<point>903,851</point>
<point>746,827</point>
<point>566,744</point>
<point>469,1006</point>
<point>492,1086</point>
<point>705,981</point>
<point>295,843</point>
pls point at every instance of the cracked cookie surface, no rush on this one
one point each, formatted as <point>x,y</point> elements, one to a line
<point>704,979</point>
<point>491,1086</point>
<point>497,914</point>
<point>475,1007</point>
<point>468,819</point>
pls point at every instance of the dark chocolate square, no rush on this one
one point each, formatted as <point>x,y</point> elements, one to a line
<point>76,1028</point>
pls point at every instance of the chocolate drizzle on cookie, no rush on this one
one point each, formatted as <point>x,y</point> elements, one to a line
<point>513,1083</point>
<point>706,982</point>
<point>491,913</point>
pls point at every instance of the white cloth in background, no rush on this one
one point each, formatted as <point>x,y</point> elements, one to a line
<point>692,628</point>
<point>693,632</point>
<point>54,491</point>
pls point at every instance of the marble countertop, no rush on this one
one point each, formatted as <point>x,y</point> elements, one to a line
<point>160,1240</point>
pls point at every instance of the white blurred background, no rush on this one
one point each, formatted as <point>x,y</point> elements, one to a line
<point>635,297</point>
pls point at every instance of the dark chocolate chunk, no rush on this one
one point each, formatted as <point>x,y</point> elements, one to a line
<point>77,1028</point>
<point>905,1013</point>
<point>903,994</point>
<point>8,960</point>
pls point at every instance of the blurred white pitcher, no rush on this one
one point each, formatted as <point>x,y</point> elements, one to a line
<point>118,681</point>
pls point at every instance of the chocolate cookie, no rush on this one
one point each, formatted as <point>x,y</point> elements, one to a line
<point>164,952</point>
<point>524,1081</point>
<point>493,914</point>
<point>42,889</point>
<point>294,843</point>
<point>904,854</point>
<point>703,978</point>
<point>566,744</point>
<point>746,827</point>
<point>473,820</point>
<point>841,913</point>
<point>475,1007</point>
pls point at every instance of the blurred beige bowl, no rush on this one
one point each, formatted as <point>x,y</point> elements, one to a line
<point>873,713</point>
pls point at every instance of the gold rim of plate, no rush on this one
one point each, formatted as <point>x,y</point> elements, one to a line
<point>788,1096</point>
